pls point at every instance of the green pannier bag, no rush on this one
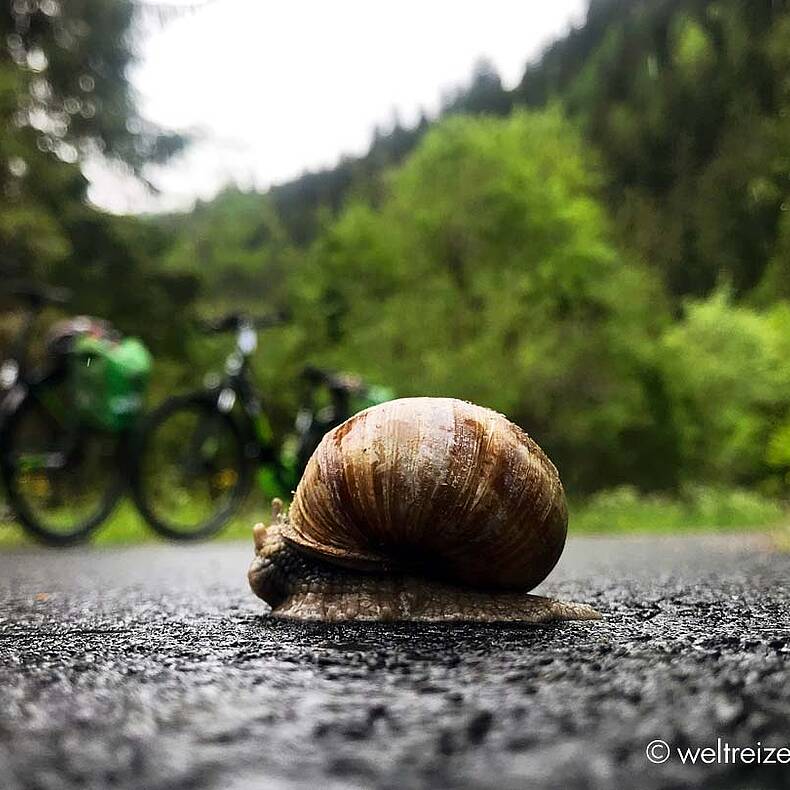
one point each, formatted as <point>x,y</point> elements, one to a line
<point>109,379</point>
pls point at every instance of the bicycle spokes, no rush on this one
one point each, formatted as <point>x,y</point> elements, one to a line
<point>60,473</point>
<point>190,470</point>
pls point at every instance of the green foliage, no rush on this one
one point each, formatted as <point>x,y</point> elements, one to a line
<point>692,51</point>
<point>487,273</point>
<point>727,369</point>
<point>688,104</point>
<point>237,247</point>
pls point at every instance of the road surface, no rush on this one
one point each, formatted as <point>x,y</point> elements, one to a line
<point>155,667</point>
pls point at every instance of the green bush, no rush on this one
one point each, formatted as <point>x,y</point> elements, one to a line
<point>727,369</point>
<point>487,272</point>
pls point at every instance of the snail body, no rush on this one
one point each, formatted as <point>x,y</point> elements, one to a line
<point>428,509</point>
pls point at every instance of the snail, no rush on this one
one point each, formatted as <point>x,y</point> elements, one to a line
<point>424,509</point>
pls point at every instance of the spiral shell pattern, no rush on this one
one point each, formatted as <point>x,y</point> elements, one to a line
<point>434,486</point>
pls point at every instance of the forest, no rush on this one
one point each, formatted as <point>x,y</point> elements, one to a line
<point>602,253</point>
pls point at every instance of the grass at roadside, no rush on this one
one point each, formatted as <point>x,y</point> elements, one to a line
<point>621,510</point>
<point>126,527</point>
<point>696,508</point>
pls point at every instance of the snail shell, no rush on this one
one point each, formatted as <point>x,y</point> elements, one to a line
<point>422,509</point>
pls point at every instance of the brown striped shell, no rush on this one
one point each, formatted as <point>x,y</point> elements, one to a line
<point>432,485</point>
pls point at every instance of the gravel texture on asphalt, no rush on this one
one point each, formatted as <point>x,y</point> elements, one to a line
<point>155,667</point>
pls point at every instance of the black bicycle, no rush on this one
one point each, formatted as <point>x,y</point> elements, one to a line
<point>62,475</point>
<point>198,453</point>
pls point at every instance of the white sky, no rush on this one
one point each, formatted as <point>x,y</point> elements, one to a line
<point>272,89</point>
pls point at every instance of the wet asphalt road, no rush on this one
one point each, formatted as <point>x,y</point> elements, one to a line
<point>155,667</point>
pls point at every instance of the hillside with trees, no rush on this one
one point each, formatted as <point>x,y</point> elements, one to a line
<point>603,252</point>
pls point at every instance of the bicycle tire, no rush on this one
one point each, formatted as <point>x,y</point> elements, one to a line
<point>10,471</point>
<point>201,404</point>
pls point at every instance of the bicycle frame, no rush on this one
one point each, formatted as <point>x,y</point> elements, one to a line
<point>236,387</point>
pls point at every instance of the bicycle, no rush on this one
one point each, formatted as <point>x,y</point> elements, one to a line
<point>62,475</point>
<point>198,452</point>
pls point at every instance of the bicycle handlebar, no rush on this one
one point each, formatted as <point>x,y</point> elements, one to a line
<point>340,382</point>
<point>233,322</point>
<point>273,319</point>
<point>37,296</point>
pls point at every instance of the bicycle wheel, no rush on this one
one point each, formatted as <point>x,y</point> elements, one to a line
<point>61,476</point>
<point>191,472</point>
